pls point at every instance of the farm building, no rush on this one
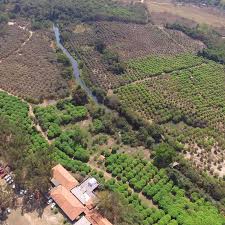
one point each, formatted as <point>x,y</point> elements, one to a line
<point>76,200</point>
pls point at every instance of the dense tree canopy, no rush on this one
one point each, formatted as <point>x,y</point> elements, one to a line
<point>113,206</point>
<point>80,10</point>
<point>164,155</point>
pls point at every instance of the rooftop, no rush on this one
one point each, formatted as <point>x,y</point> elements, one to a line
<point>84,192</point>
<point>60,176</point>
<point>96,219</point>
<point>67,202</point>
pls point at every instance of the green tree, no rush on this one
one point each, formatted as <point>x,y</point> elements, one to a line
<point>79,97</point>
<point>114,206</point>
<point>164,154</point>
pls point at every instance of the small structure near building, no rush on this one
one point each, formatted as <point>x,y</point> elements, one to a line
<point>76,200</point>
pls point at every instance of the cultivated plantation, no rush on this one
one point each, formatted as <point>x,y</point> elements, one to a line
<point>156,73</point>
<point>28,63</point>
<point>130,175</point>
<point>125,42</point>
<point>130,98</point>
<point>194,96</point>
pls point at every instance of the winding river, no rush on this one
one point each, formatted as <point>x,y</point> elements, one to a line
<point>74,64</point>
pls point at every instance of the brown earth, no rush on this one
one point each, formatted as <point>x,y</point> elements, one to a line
<point>202,15</point>
<point>48,218</point>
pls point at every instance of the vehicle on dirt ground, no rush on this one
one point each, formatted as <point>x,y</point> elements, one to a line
<point>49,201</point>
<point>53,205</point>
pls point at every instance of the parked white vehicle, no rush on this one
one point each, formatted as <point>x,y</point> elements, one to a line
<point>8,179</point>
<point>49,201</point>
<point>11,181</point>
<point>31,196</point>
<point>53,205</point>
<point>7,176</point>
<point>8,210</point>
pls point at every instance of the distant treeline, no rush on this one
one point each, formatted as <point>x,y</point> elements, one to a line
<point>88,10</point>
<point>215,43</point>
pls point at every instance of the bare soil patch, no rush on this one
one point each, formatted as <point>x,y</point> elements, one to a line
<point>202,15</point>
<point>48,218</point>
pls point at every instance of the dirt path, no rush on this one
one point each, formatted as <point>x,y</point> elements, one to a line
<point>32,116</point>
<point>48,218</point>
<point>25,42</point>
<point>37,126</point>
<point>21,46</point>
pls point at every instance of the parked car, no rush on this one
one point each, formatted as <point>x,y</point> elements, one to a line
<point>8,179</point>
<point>11,181</point>
<point>53,205</point>
<point>7,176</point>
<point>49,201</point>
<point>31,196</point>
<point>8,210</point>
<point>22,192</point>
<point>2,172</point>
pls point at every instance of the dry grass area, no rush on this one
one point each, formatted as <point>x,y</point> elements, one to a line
<point>164,18</point>
<point>31,70</point>
<point>200,15</point>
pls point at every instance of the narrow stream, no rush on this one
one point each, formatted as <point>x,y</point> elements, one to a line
<point>74,64</point>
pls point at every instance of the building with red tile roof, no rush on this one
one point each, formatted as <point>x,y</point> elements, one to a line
<point>76,200</point>
<point>60,176</point>
<point>70,205</point>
